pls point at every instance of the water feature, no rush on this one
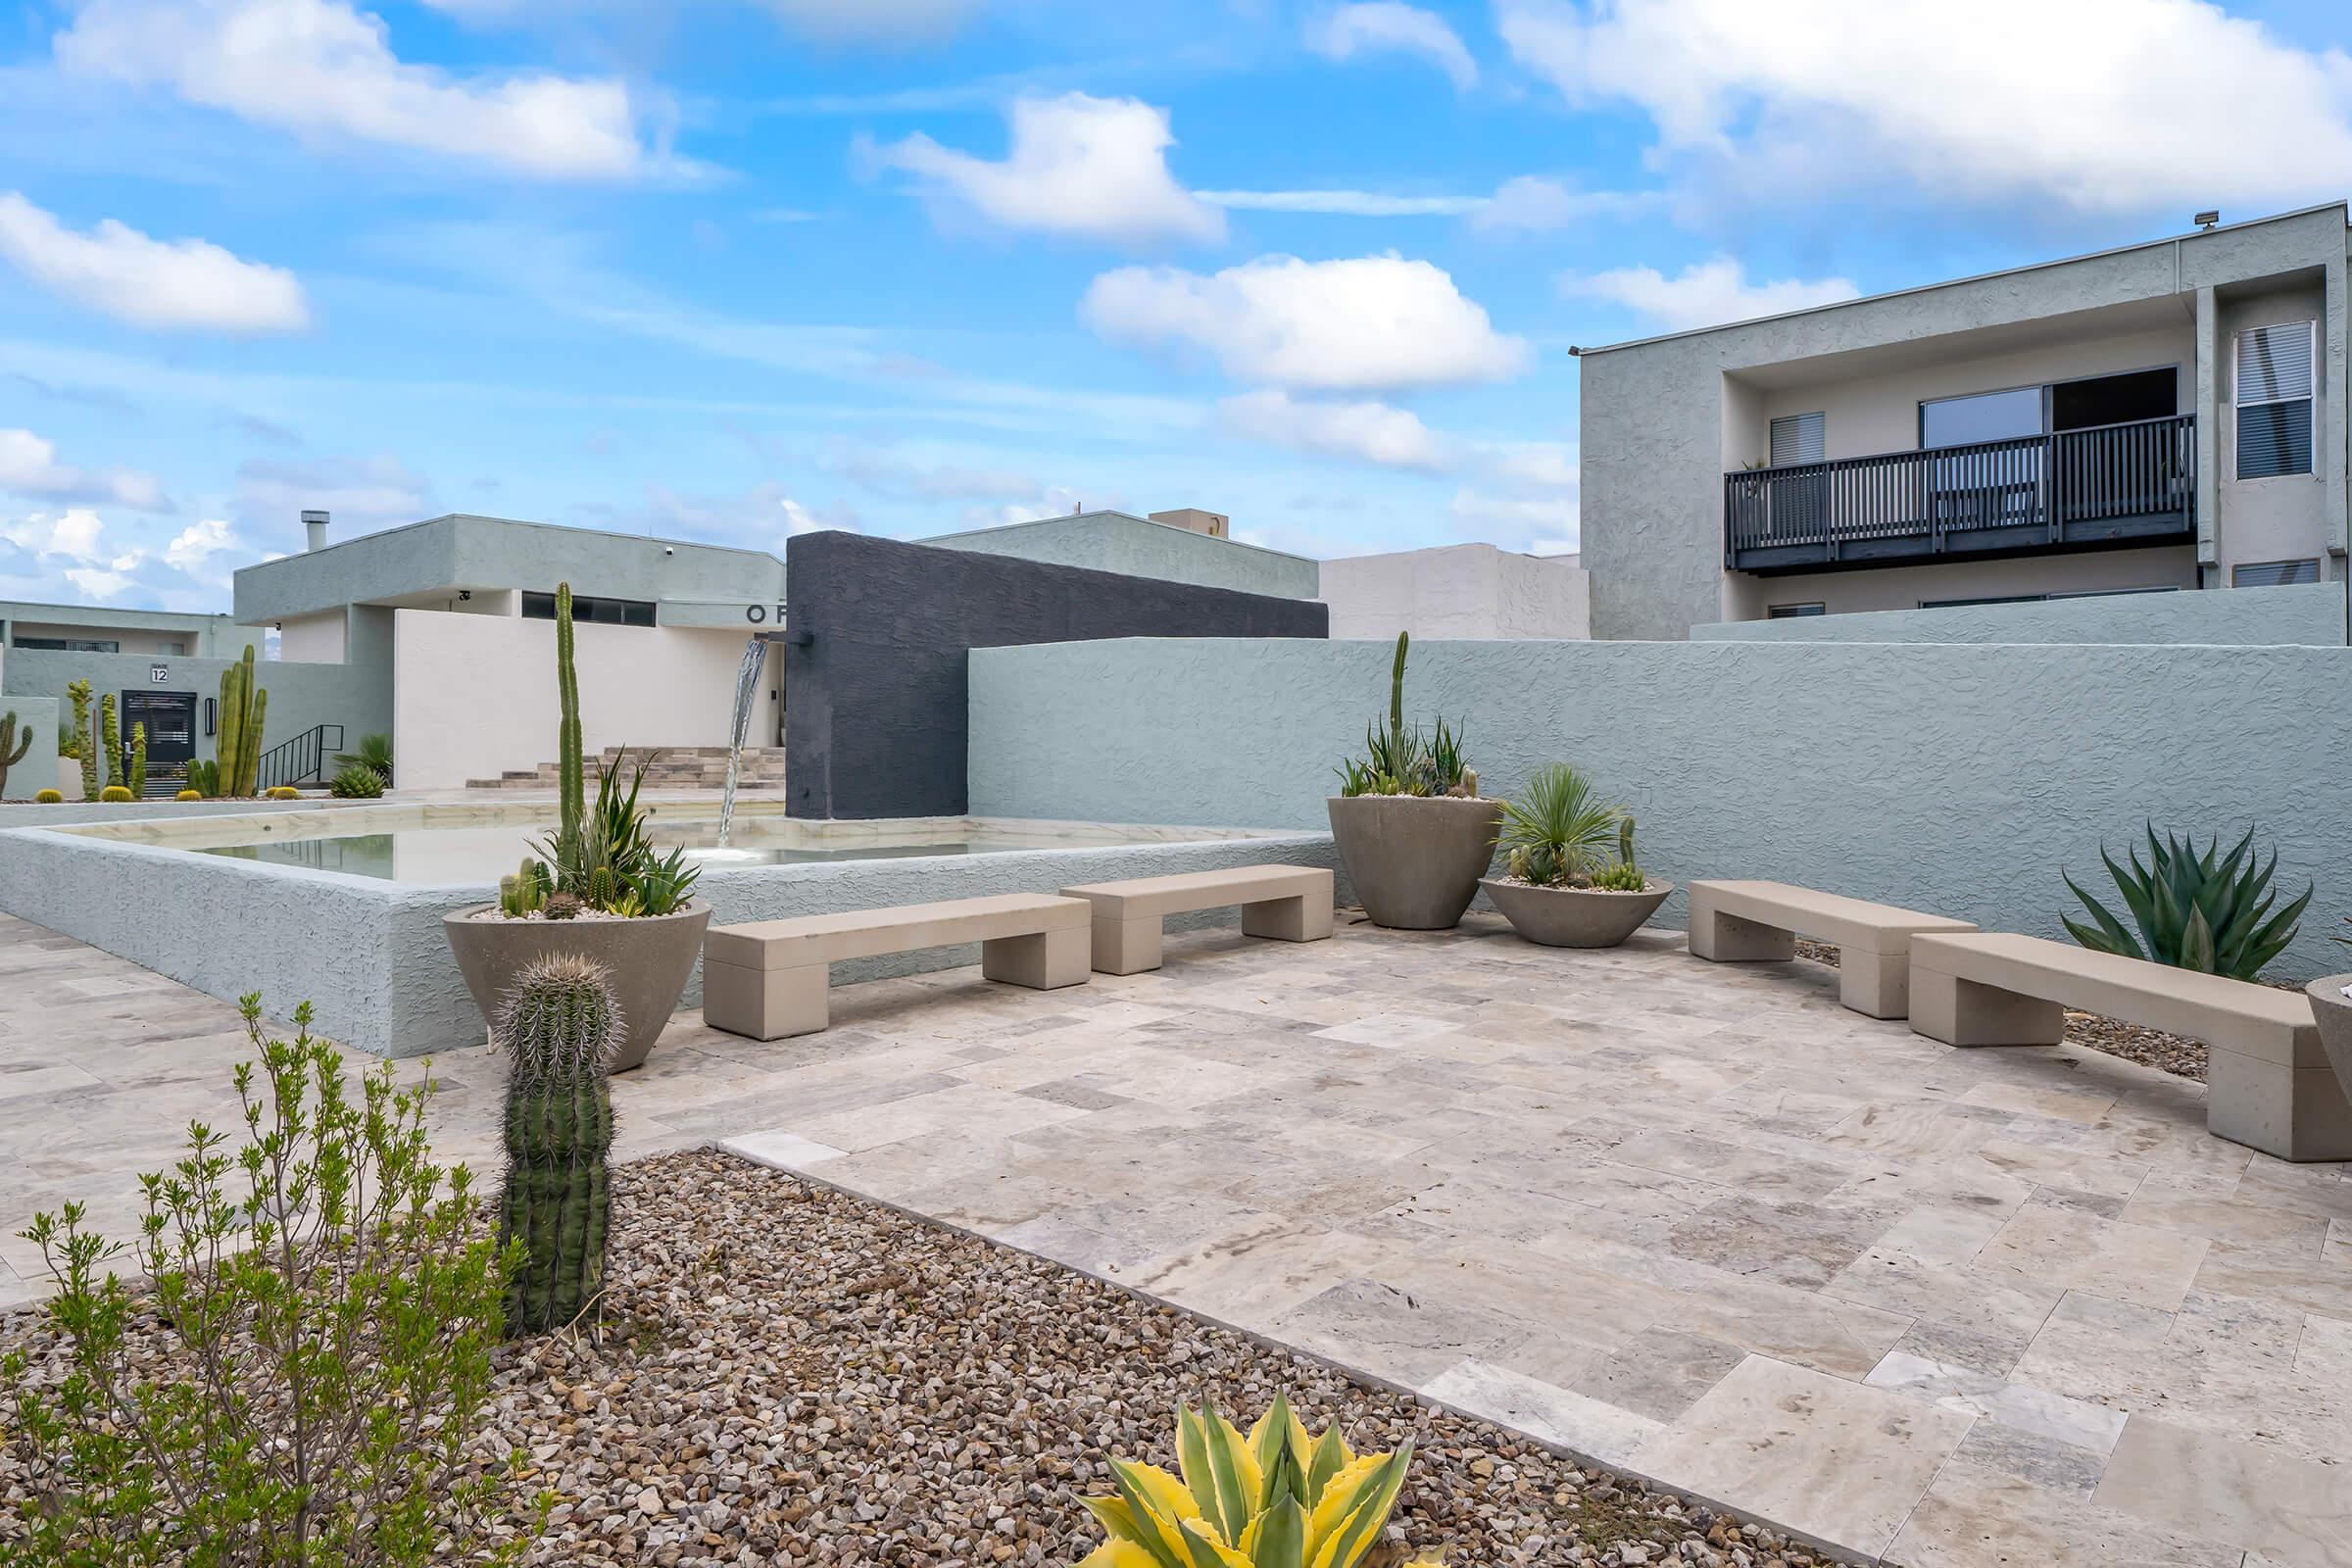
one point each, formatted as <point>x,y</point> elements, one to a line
<point>747,688</point>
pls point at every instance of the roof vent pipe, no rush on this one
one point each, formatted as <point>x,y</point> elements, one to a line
<point>314,523</point>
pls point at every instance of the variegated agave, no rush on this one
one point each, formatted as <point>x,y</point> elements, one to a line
<point>1277,1498</point>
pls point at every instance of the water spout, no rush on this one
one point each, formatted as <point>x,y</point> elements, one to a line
<point>747,689</point>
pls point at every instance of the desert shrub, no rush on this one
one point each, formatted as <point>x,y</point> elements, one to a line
<point>358,782</point>
<point>298,1384</point>
<point>2209,912</point>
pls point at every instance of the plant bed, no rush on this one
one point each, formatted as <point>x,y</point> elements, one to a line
<point>791,1375</point>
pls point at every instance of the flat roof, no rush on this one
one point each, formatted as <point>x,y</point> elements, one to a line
<point>1958,282</point>
<point>113,614</point>
<point>1112,512</point>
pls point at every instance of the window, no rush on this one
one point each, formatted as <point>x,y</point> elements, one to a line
<point>596,612</point>
<point>2273,574</point>
<point>2276,369</point>
<point>1798,438</point>
<point>69,645</point>
<point>1792,612</point>
<point>1996,599</point>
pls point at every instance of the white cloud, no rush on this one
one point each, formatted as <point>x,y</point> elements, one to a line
<point>1536,203</point>
<point>1381,25</point>
<point>99,582</point>
<point>1087,167</point>
<point>28,467</point>
<point>187,283</point>
<point>1372,322</point>
<point>73,534</point>
<point>198,543</point>
<point>325,67</point>
<point>1544,525</point>
<point>2105,104</point>
<point>1344,203</point>
<point>1374,432</point>
<point>362,493</point>
<point>1706,293</point>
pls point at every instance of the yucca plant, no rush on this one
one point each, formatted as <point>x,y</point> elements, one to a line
<point>2210,912</point>
<point>1558,830</point>
<point>1277,1498</point>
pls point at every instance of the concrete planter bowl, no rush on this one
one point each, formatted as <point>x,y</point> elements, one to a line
<point>1414,860</point>
<point>651,958</point>
<point>1574,917</point>
<point>2333,1012</point>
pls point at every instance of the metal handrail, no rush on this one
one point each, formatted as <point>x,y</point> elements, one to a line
<point>302,759</point>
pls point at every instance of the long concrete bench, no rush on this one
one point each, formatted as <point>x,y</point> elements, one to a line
<point>1740,922</point>
<point>2268,1084</point>
<point>768,979</point>
<point>1286,903</point>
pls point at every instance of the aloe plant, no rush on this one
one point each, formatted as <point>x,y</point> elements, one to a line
<point>2210,911</point>
<point>1558,830</point>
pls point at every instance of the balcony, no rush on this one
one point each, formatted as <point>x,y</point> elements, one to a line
<point>2113,484</point>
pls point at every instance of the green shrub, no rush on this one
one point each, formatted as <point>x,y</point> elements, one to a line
<point>299,1384</point>
<point>2210,912</point>
<point>374,751</point>
<point>358,782</point>
<point>49,797</point>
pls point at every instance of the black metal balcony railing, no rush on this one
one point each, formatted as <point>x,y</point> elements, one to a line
<point>2134,483</point>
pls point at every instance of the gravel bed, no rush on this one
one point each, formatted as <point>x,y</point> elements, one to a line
<point>791,1375</point>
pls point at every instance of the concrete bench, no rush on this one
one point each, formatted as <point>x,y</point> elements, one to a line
<point>768,979</point>
<point>2268,1084</point>
<point>1740,922</point>
<point>1286,903</point>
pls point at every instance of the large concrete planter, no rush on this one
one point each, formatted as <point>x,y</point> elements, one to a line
<point>650,960</point>
<point>1414,860</point>
<point>1574,917</point>
<point>2333,1010</point>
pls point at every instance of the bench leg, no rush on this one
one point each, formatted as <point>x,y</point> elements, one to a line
<point>766,1004</point>
<point>2291,1113</point>
<point>1728,939</point>
<point>1875,984</point>
<point>1963,1012</point>
<point>1046,960</point>
<point>1126,946</point>
<point>1300,919</point>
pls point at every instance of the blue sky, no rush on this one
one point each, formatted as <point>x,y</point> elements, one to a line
<point>735,269</point>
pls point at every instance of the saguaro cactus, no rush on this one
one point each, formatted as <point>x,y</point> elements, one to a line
<point>243,708</point>
<point>11,748</point>
<point>572,772</point>
<point>85,744</point>
<point>560,1026</point>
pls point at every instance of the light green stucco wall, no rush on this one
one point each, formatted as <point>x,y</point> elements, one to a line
<point>35,717</point>
<point>358,697</point>
<point>2309,615</point>
<point>1113,541</point>
<point>1956,779</point>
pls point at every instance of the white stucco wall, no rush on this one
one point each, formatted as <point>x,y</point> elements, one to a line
<point>1842,593</point>
<point>1472,592</point>
<point>474,695</point>
<point>311,639</point>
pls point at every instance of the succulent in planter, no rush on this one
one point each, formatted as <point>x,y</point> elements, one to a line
<point>1398,760</point>
<point>1572,880</point>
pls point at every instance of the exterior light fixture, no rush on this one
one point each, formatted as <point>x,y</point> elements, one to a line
<point>2207,218</point>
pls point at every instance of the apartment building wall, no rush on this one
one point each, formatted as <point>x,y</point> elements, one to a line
<point>1464,590</point>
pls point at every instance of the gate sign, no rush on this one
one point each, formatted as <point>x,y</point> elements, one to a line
<point>157,674</point>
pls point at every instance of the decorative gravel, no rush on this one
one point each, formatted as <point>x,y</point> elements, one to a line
<point>791,1375</point>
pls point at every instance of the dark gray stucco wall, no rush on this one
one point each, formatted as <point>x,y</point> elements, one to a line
<point>876,711</point>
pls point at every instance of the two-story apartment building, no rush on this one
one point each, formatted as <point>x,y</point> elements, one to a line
<point>2165,415</point>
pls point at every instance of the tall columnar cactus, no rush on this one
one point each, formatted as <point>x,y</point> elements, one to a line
<point>110,735</point>
<point>560,1026</point>
<point>243,708</point>
<point>572,785</point>
<point>85,745</point>
<point>138,760</point>
<point>11,748</point>
<point>1625,839</point>
<point>1396,687</point>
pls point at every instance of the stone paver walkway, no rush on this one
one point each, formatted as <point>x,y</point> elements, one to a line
<point>1951,1309</point>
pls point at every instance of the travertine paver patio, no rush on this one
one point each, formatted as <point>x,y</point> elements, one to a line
<point>1950,1307</point>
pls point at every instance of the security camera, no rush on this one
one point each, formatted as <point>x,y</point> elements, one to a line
<point>669,550</point>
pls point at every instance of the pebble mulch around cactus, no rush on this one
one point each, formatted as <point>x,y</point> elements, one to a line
<point>795,1376</point>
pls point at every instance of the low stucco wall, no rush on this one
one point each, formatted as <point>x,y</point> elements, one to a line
<point>1956,779</point>
<point>2311,615</point>
<point>370,956</point>
<point>25,813</point>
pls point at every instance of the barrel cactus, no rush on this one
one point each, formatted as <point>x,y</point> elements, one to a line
<point>560,1026</point>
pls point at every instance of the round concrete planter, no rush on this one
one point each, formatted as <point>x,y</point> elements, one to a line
<point>2333,1010</point>
<point>1574,917</point>
<point>1414,860</point>
<point>650,959</point>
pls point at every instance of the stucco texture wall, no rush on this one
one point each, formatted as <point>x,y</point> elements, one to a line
<point>475,695</point>
<point>1954,779</point>
<point>356,697</point>
<point>2311,616</point>
<point>1466,591</point>
<point>35,717</point>
<point>1113,541</point>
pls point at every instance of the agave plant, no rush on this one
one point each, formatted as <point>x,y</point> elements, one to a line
<point>1558,829</point>
<point>1277,1498</point>
<point>2210,912</point>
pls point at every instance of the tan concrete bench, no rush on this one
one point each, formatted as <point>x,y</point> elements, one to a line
<point>2268,1084</point>
<point>768,979</point>
<point>1740,922</point>
<point>1286,903</point>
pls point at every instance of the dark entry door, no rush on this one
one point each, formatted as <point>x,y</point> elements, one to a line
<point>170,720</point>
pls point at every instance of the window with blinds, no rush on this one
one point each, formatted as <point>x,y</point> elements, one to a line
<point>1797,438</point>
<point>2276,369</point>
<point>2273,574</point>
